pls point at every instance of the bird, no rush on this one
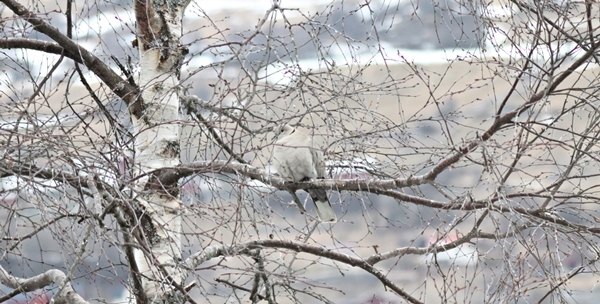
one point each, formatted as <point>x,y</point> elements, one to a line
<point>296,160</point>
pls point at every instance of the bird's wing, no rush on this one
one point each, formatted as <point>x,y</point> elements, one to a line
<point>292,153</point>
<point>318,162</point>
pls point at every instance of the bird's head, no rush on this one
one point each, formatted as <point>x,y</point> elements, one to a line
<point>283,130</point>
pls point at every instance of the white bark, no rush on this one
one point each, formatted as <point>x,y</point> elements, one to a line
<point>157,145</point>
<point>159,93</point>
<point>154,133</point>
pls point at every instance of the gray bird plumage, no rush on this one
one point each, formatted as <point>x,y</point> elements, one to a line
<point>296,160</point>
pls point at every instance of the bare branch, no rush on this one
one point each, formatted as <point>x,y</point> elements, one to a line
<point>54,276</point>
<point>38,45</point>
<point>220,250</point>
<point>119,86</point>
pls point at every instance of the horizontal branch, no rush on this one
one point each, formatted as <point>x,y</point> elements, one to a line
<point>9,167</point>
<point>79,179</point>
<point>388,187</point>
<point>53,276</point>
<point>37,45</point>
<point>169,176</point>
<point>244,248</point>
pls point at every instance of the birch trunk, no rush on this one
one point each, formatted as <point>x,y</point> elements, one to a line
<point>157,145</point>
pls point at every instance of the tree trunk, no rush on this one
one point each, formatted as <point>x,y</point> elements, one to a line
<point>157,145</point>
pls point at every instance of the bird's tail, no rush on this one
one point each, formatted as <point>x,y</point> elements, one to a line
<point>324,209</point>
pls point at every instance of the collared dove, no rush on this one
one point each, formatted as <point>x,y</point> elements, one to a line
<point>296,160</point>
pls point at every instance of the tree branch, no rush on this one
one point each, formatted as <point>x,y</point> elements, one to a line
<point>223,250</point>
<point>11,167</point>
<point>122,88</point>
<point>53,276</point>
<point>37,45</point>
